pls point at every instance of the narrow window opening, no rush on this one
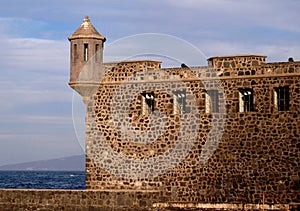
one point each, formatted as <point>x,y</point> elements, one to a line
<point>86,51</point>
<point>74,52</point>
<point>97,53</point>
<point>148,102</point>
<point>282,98</point>
<point>212,101</point>
<point>246,100</point>
<point>179,102</point>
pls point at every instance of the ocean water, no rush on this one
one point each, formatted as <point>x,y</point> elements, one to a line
<point>42,179</point>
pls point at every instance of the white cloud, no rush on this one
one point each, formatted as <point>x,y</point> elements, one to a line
<point>37,119</point>
<point>33,71</point>
<point>280,52</point>
<point>33,54</point>
<point>155,44</point>
<point>29,95</point>
<point>275,52</point>
<point>247,13</point>
<point>16,27</point>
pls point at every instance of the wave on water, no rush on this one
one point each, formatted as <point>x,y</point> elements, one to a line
<point>43,179</point>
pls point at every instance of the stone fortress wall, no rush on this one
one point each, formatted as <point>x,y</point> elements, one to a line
<point>76,200</point>
<point>106,200</point>
<point>257,160</point>
<point>220,137</point>
<point>254,167</point>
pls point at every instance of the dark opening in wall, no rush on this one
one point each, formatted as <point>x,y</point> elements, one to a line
<point>97,53</point>
<point>148,102</point>
<point>179,102</point>
<point>246,100</point>
<point>86,51</point>
<point>212,101</point>
<point>282,98</point>
<point>74,55</point>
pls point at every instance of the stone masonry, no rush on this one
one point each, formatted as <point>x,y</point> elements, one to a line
<point>225,136</point>
<point>247,133</point>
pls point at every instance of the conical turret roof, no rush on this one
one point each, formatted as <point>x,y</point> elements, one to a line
<point>86,30</point>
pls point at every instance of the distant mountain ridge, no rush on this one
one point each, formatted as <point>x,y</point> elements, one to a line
<point>72,163</point>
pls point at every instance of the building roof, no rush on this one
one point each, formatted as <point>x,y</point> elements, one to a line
<point>86,30</point>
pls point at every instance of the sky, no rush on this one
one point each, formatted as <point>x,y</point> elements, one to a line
<point>36,120</point>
